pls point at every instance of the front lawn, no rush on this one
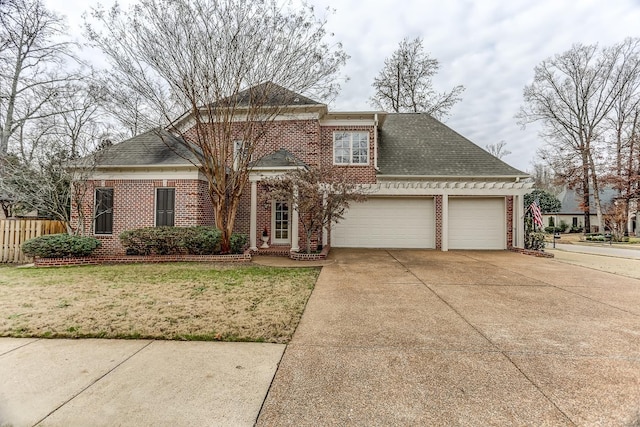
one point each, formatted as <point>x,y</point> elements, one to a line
<point>187,301</point>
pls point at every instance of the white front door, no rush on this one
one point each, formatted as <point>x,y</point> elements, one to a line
<point>280,224</point>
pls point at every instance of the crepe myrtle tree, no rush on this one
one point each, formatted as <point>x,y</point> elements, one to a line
<point>219,66</point>
<point>321,197</point>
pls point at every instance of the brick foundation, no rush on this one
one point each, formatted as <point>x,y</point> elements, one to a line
<point>139,259</point>
<point>133,259</point>
<point>531,252</point>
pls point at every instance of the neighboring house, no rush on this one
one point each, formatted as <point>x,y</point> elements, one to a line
<point>572,213</point>
<point>428,186</point>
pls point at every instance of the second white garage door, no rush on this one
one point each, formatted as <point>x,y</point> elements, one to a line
<point>477,223</point>
<point>387,222</point>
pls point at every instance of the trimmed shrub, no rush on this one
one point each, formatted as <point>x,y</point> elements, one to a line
<point>595,238</point>
<point>201,240</point>
<point>153,240</point>
<point>238,243</point>
<point>535,241</point>
<point>60,246</point>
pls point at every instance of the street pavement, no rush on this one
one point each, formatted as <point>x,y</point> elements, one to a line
<point>598,249</point>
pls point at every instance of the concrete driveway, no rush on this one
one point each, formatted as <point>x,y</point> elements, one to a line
<point>461,338</point>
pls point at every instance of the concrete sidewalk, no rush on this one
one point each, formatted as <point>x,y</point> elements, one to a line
<point>95,382</point>
<point>461,338</point>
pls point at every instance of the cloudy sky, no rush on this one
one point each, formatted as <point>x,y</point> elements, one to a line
<point>490,46</point>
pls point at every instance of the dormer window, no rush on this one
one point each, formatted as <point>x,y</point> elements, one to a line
<point>350,148</point>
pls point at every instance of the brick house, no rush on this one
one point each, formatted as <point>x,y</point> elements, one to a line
<point>428,186</point>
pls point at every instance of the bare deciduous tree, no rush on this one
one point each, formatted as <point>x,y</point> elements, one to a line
<point>405,83</point>
<point>198,57</point>
<point>38,176</point>
<point>321,197</point>
<point>498,150</point>
<point>572,94</point>
<point>623,169</point>
<point>33,65</point>
<point>544,178</point>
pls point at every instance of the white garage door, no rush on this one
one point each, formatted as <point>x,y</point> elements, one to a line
<point>477,223</point>
<point>387,222</point>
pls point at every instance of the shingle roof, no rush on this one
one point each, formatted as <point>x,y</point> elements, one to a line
<point>281,158</point>
<point>268,94</point>
<point>571,201</point>
<point>418,144</point>
<point>155,147</point>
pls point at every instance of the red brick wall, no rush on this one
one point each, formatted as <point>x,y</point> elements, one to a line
<point>134,207</point>
<point>309,142</point>
<point>509,222</point>
<point>438,207</point>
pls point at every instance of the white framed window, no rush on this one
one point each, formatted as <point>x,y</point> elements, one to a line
<point>240,153</point>
<point>350,148</point>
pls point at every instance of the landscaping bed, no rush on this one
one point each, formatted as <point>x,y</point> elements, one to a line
<point>178,301</point>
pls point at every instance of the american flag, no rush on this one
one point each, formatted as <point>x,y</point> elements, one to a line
<point>537,213</point>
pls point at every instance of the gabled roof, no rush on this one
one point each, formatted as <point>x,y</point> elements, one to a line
<point>156,147</point>
<point>418,144</point>
<point>570,200</point>
<point>280,159</point>
<point>267,94</point>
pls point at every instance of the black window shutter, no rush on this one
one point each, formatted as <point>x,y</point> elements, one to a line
<point>104,211</point>
<point>165,206</point>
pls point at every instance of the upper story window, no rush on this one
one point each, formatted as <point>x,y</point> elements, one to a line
<point>240,154</point>
<point>350,148</point>
<point>104,211</point>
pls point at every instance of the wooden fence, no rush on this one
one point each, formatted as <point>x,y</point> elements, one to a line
<point>14,232</point>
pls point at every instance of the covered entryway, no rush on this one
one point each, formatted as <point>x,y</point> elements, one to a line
<point>477,223</point>
<point>387,222</point>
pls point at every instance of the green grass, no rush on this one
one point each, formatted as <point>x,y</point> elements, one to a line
<point>183,301</point>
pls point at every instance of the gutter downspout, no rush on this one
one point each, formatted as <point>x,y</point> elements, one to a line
<point>375,142</point>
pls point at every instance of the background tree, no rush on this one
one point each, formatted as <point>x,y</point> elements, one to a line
<point>34,66</point>
<point>42,181</point>
<point>322,197</point>
<point>202,64</point>
<point>544,178</point>
<point>572,95</point>
<point>405,83</point>
<point>548,202</point>
<point>623,168</point>
<point>498,150</point>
